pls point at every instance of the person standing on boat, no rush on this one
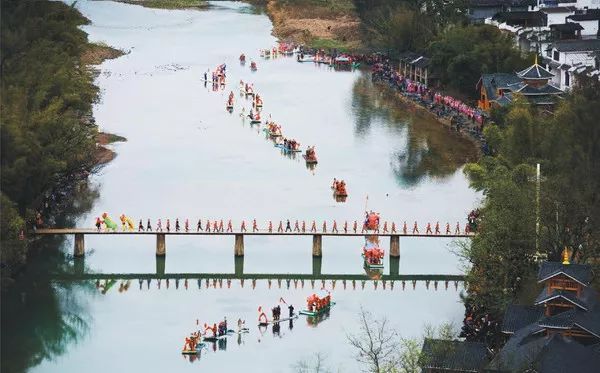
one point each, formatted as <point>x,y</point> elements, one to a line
<point>288,227</point>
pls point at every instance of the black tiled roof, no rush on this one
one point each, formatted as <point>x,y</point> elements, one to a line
<point>528,350</point>
<point>453,355</point>
<point>589,15</point>
<point>493,82</point>
<point>567,27</point>
<point>512,18</point>
<point>581,273</point>
<point>579,45</point>
<point>534,72</point>
<point>518,316</point>
<point>559,9</point>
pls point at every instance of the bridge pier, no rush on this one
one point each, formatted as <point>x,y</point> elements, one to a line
<point>316,265</point>
<point>239,265</point>
<point>160,265</point>
<point>395,246</point>
<point>317,245</point>
<point>161,246</point>
<point>79,249</point>
<point>79,265</point>
<point>394,266</point>
<point>238,248</point>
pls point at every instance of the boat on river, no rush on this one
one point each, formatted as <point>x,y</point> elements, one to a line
<point>310,156</point>
<point>270,322</point>
<point>371,221</point>
<point>316,305</point>
<point>305,58</point>
<point>339,188</point>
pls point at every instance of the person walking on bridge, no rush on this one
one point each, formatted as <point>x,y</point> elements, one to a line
<point>428,231</point>
<point>457,230</point>
<point>159,226</point>
<point>177,228</point>
<point>140,226</point>
<point>148,226</point>
<point>229,226</point>
<point>385,227</point>
<point>243,226</point>
<point>355,226</point>
<point>207,225</point>
<point>346,226</point>
<point>270,226</point>
<point>393,227</point>
<point>437,227</point>
<point>187,225</point>
<point>448,228</point>
<point>415,228</point>
<point>221,226</point>
<point>168,225</point>
<point>288,227</point>
<point>280,227</point>
<point>215,226</point>
<point>254,226</point>
<point>303,226</point>
<point>404,228</point>
<point>296,227</point>
<point>313,228</point>
<point>199,225</point>
<point>334,228</point>
<point>324,226</point>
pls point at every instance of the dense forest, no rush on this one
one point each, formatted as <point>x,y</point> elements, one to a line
<point>48,133</point>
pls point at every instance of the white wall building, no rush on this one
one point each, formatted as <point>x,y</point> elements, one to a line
<point>567,58</point>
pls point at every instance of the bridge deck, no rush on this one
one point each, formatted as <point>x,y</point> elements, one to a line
<point>63,231</point>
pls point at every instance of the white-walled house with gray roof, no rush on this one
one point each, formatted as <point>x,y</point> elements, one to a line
<point>568,58</point>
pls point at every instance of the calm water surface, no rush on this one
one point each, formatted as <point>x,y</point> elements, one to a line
<point>187,157</point>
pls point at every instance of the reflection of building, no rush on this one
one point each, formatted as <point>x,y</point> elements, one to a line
<point>559,333</point>
<point>498,89</point>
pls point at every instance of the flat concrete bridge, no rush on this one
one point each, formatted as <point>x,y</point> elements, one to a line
<point>79,233</point>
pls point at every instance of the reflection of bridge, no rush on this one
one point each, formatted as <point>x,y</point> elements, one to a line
<point>79,234</point>
<point>288,279</point>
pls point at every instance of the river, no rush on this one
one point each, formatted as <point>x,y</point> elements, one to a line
<point>187,157</point>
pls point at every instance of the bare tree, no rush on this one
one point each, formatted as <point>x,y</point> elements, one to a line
<point>317,365</point>
<point>376,342</point>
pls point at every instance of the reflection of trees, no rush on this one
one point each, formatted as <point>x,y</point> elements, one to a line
<point>41,318</point>
<point>430,150</point>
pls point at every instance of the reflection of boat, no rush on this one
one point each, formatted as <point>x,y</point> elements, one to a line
<point>372,254</point>
<point>316,320</point>
<point>215,338</point>
<point>278,321</point>
<point>287,148</point>
<point>241,331</point>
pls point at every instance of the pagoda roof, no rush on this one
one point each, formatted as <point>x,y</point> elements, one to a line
<point>519,316</point>
<point>588,321</point>
<point>453,355</point>
<point>529,350</point>
<point>493,82</point>
<point>529,90</point>
<point>535,72</point>
<point>569,296</point>
<point>582,273</point>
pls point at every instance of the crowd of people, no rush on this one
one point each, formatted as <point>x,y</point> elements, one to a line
<point>106,224</point>
<point>462,116</point>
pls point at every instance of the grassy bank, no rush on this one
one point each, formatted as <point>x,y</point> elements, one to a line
<point>96,53</point>
<point>168,4</point>
<point>316,23</point>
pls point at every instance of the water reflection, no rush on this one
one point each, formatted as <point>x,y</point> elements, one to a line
<point>430,149</point>
<point>42,318</point>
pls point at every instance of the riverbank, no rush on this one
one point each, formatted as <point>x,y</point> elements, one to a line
<point>168,4</point>
<point>96,53</point>
<point>316,24</point>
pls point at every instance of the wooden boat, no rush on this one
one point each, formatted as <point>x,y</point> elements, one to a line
<point>215,338</point>
<point>309,161</point>
<point>189,352</point>
<point>278,321</point>
<point>255,121</point>
<point>316,313</point>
